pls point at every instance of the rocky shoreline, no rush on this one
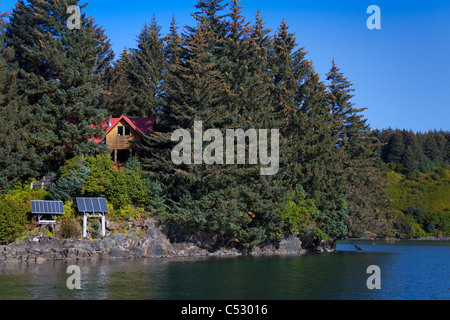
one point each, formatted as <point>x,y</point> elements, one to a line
<point>156,243</point>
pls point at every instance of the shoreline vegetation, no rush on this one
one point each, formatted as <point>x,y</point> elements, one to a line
<point>338,178</point>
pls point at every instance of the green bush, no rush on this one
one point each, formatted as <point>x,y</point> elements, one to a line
<point>70,228</point>
<point>101,172</point>
<point>13,220</point>
<point>125,188</point>
<point>157,200</point>
<point>96,177</point>
<point>298,214</point>
<point>70,184</point>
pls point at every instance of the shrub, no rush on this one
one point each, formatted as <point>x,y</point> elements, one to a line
<point>23,194</point>
<point>70,184</point>
<point>125,188</point>
<point>70,228</point>
<point>13,220</point>
<point>101,171</point>
<point>157,200</point>
<point>71,165</point>
<point>297,215</point>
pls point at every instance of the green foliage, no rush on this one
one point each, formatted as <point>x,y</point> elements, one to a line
<point>18,160</point>
<point>71,166</point>
<point>95,177</point>
<point>101,172</point>
<point>299,213</point>
<point>127,212</point>
<point>333,221</point>
<point>157,199</point>
<point>320,235</point>
<point>13,220</point>
<point>70,184</point>
<point>407,151</point>
<point>59,76</point>
<point>22,194</point>
<point>70,226</point>
<point>133,164</point>
<point>125,188</point>
<point>14,207</point>
<point>55,84</point>
<point>424,202</point>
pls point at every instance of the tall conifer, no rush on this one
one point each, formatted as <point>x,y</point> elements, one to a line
<point>148,68</point>
<point>364,189</point>
<point>60,75</point>
<point>17,159</point>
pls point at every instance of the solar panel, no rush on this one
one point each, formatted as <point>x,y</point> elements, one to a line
<point>88,205</point>
<point>96,205</point>
<point>92,205</point>
<point>46,207</point>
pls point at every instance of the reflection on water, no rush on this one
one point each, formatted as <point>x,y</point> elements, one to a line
<point>409,270</point>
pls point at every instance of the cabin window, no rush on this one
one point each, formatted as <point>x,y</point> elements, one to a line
<point>120,131</point>
<point>127,131</point>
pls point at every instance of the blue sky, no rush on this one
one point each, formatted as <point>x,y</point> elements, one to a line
<point>400,73</point>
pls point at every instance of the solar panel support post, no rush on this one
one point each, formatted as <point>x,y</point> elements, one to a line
<point>103,226</point>
<point>84,224</point>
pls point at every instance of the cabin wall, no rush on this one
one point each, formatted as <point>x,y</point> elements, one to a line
<point>116,142</point>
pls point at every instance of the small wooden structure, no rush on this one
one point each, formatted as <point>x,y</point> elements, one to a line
<point>46,211</point>
<point>124,136</point>
<point>92,208</point>
<point>45,183</point>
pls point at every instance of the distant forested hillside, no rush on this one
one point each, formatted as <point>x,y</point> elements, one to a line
<point>418,180</point>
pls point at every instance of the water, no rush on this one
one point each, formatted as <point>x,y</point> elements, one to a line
<point>409,270</point>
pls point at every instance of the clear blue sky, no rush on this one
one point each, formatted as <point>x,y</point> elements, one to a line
<point>400,73</point>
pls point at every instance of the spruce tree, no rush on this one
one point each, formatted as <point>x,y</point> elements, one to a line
<point>17,159</point>
<point>207,85</point>
<point>60,74</point>
<point>210,15</point>
<point>364,187</point>
<point>117,97</point>
<point>146,76</point>
<point>318,166</point>
<point>395,147</point>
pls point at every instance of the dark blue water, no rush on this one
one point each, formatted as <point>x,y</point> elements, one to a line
<point>409,270</point>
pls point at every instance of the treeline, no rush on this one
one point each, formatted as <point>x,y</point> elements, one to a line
<point>408,151</point>
<point>57,85</point>
<point>418,180</point>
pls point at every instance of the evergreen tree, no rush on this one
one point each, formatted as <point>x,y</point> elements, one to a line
<point>174,53</point>
<point>413,158</point>
<point>395,147</point>
<point>209,15</point>
<point>207,85</point>
<point>431,147</point>
<point>364,188</point>
<point>117,97</point>
<point>146,76</point>
<point>17,160</point>
<point>319,167</point>
<point>410,162</point>
<point>60,74</point>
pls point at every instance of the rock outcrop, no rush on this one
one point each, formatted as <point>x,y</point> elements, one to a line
<point>157,242</point>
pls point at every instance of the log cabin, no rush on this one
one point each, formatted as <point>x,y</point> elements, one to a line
<point>125,135</point>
